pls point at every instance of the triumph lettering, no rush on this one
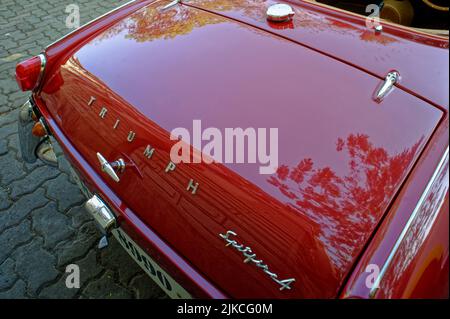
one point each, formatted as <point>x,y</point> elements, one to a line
<point>116,124</point>
<point>103,112</point>
<point>91,101</point>
<point>192,186</point>
<point>131,136</point>
<point>148,152</point>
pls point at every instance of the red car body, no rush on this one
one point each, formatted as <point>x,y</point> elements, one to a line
<point>359,183</point>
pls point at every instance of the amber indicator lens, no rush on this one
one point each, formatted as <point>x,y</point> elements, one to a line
<point>39,130</point>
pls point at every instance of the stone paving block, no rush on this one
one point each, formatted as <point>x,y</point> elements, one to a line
<point>18,291</point>
<point>4,108</point>
<point>10,168</point>
<point>145,288</point>
<point>117,258</point>
<point>35,265</point>
<point>64,166</point>
<point>106,288</point>
<point>31,166</point>
<point>7,275</point>
<point>8,118</point>
<point>74,249</point>
<point>5,202</point>
<point>21,209</point>
<point>7,129</point>
<point>52,225</point>
<point>58,290</point>
<point>32,180</point>
<point>79,216</point>
<point>66,197</point>
<point>13,144</point>
<point>3,147</point>
<point>13,237</point>
<point>89,268</point>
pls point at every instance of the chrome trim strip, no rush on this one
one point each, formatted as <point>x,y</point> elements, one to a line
<point>86,24</point>
<point>386,264</point>
<point>38,86</point>
<point>171,4</point>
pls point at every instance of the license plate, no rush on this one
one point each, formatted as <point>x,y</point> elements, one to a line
<point>162,279</point>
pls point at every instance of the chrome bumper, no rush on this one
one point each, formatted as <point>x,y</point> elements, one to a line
<point>33,147</point>
<point>28,142</point>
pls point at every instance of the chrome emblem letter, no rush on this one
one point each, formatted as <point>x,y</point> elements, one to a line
<point>148,152</point>
<point>192,186</point>
<point>131,136</point>
<point>170,167</point>
<point>91,101</point>
<point>103,112</point>
<point>116,124</point>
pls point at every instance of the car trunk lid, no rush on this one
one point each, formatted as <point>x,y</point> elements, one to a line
<point>341,156</point>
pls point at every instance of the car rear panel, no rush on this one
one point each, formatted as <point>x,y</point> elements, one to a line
<point>342,157</point>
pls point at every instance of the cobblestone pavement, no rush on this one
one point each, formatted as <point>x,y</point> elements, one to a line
<point>43,226</point>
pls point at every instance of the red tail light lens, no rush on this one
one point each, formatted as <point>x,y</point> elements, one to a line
<point>28,72</point>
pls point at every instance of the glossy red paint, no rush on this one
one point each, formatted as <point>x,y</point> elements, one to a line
<point>343,157</point>
<point>420,265</point>
<point>166,256</point>
<point>418,57</point>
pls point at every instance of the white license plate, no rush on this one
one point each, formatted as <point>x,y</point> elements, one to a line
<point>163,279</point>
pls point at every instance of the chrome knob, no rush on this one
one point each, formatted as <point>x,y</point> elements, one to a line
<point>111,168</point>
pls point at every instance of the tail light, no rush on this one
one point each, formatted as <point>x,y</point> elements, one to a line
<point>29,72</point>
<point>39,129</point>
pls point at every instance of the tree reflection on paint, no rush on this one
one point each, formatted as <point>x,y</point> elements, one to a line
<point>345,207</point>
<point>407,258</point>
<point>152,23</point>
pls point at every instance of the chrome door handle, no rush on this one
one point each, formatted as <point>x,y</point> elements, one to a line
<point>111,168</point>
<point>386,87</point>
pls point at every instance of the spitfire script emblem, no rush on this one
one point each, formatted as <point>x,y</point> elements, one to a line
<point>250,256</point>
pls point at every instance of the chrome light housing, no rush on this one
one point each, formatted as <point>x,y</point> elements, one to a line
<point>102,214</point>
<point>28,142</point>
<point>46,153</point>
